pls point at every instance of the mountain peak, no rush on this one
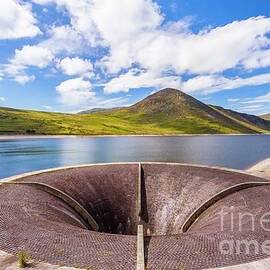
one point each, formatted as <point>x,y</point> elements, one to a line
<point>168,91</point>
<point>168,100</point>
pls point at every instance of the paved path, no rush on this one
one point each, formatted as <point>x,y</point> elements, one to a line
<point>261,169</point>
<point>10,262</point>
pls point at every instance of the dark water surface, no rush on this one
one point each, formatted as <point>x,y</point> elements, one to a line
<point>24,155</point>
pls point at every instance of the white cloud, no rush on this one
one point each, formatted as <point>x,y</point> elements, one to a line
<point>260,99</point>
<point>252,107</point>
<point>63,39</point>
<point>176,48</point>
<point>28,56</point>
<point>258,59</point>
<point>32,56</point>
<point>17,20</point>
<point>23,79</point>
<point>43,2</point>
<point>93,18</point>
<point>233,99</point>
<point>75,66</point>
<point>75,92</point>
<point>210,51</point>
<point>100,102</point>
<point>47,107</point>
<point>214,83</point>
<point>139,36</point>
<point>136,79</point>
<point>112,102</point>
<point>2,99</point>
<point>205,98</point>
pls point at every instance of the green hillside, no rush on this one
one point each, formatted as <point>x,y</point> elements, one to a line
<point>97,110</point>
<point>265,116</point>
<point>168,111</point>
<point>251,121</point>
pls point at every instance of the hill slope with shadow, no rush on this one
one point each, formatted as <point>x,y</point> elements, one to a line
<point>168,111</point>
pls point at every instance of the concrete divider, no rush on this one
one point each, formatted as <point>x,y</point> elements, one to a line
<point>140,239</point>
<point>139,194</point>
<point>140,249</point>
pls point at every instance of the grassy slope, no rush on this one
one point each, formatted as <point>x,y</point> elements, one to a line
<point>121,122</point>
<point>265,116</point>
<point>246,124</point>
<point>170,112</point>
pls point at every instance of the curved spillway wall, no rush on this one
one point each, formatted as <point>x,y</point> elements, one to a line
<point>174,192</point>
<point>50,230</point>
<point>108,193</point>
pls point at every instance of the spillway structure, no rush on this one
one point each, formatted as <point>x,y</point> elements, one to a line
<point>156,216</point>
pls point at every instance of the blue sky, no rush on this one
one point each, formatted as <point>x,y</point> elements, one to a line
<point>71,55</point>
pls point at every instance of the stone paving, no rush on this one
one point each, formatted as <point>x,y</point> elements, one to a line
<point>52,232</point>
<point>10,262</point>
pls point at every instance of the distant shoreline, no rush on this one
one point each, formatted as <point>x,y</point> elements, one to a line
<point>18,137</point>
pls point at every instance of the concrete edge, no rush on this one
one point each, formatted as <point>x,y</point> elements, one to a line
<point>27,174</point>
<point>139,193</point>
<point>140,265</point>
<point>40,136</point>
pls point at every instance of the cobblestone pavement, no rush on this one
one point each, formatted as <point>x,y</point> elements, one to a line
<point>52,232</point>
<point>10,262</point>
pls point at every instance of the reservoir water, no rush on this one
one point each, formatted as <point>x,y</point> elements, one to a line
<point>25,155</point>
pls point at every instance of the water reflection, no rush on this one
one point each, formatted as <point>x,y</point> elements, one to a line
<point>18,156</point>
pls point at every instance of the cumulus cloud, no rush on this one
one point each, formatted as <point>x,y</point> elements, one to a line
<point>23,79</point>
<point>136,79</point>
<point>2,99</point>
<point>28,56</point>
<point>214,83</point>
<point>75,91</point>
<point>17,20</point>
<point>139,37</point>
<point>63,39</point>
<point>163,53</point>
<point>258,59</point>
<point>93,18</point>
<point>75,66</point>
<point>210,51</point>
<point>32,56</point>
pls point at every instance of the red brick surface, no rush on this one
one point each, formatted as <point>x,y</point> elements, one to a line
<point>51,231</point>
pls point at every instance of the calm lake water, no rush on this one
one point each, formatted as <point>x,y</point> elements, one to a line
<point>24,155</point>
